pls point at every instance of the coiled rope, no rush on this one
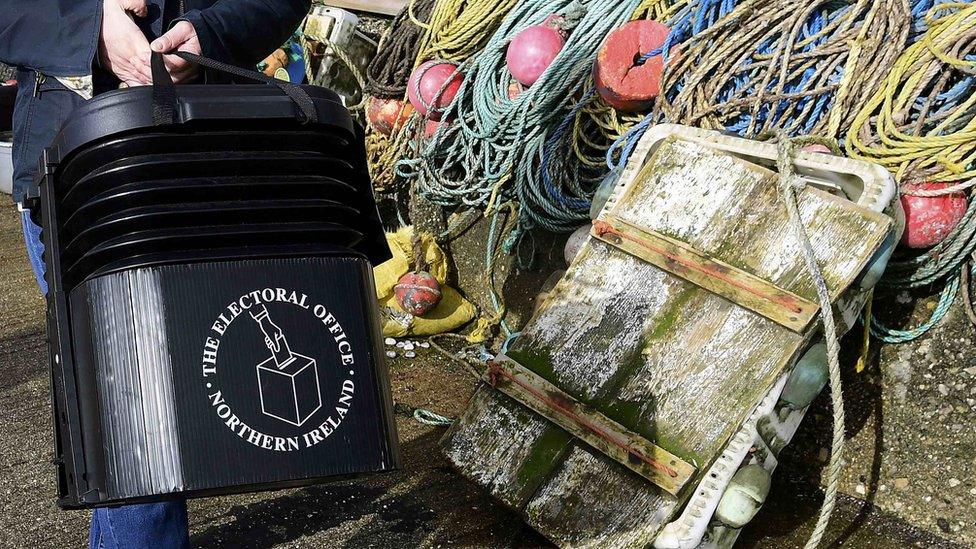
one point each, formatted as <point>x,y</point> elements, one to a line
<point>575,153</point>
<point>449,30</point>
<point>753,68</point>
<point>388,72</point>
<point>920,124</point>
<point>773,65</point>
<point>492,152</point>
<point>891,78</point>
<point>799,68</point>
<point>459,29</point>
<point>387,77</point>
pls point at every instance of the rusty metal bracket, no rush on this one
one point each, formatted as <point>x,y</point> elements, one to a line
<point>680,259</point>
<point>615,441</point>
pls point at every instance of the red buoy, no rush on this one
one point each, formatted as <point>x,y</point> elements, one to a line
<point>533,49</point>
<point>929,219</point>
<point>622,82</point>
<point>426,81</point>
<point>817,148</point>
<point>386,114</point>
<point>417,292</point>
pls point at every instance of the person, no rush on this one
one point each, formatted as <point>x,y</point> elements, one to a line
<point>65,52</point>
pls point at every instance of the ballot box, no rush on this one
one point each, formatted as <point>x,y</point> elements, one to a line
<point>211,308</point>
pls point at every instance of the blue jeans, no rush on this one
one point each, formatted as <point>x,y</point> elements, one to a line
<point>37,118</point>
<point>149,525</point>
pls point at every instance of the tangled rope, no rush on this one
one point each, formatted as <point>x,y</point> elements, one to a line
<point>801,68</point>
<point>493,150</point>
<point>387,74</point>
<point>893,80</point>
<point>752,67</point>
<point>459,29</point>
<point>449,30</point>
<point>771,65</point>
<point>920,124</point>
<point>584,138</point>
<point>597,124</point>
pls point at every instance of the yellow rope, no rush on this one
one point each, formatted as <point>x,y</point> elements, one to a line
<point>702,87</point>
<point>883,132</point>
<point>850,69</point>
<point>459,28</point>
<point>383,151</point>
<point>610,123</point>
<point>862,360</point>
<point>658,10</point>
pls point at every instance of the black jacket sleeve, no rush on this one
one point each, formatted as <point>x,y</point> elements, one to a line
<point>243,32</point>
<point>55,37</point>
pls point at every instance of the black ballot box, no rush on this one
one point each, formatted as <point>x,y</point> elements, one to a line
<point>212,315</point>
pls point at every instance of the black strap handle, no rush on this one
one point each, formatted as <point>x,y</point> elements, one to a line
<point>164,91</point>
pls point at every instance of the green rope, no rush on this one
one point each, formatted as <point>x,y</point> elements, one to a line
<point>490,266</point>
<point>939,263</point>
<point>789,186</point>
<point>492,151</point>
<point>891,335</point>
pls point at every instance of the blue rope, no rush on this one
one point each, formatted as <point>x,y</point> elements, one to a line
<point>511,337</point>
<point>549,152</point>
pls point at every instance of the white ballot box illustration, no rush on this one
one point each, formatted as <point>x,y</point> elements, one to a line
<point>291,393</point>
<point>288,383</point>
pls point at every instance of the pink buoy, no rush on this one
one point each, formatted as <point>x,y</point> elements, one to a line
<point>929,219</point>
<point>426,81</point>
<point>533,49</point>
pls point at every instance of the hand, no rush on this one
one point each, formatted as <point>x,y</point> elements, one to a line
<point>273,340</point>
<point>122,47</point>
<point>182,37</point>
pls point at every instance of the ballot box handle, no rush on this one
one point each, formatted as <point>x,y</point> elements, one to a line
<point>164,91</point>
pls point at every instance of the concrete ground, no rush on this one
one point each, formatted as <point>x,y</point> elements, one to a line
<point>909,482</point>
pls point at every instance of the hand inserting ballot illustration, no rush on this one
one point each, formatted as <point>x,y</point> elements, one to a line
<point>274,338</point>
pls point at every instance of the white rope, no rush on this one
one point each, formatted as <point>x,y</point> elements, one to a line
<point>789,185</point>
<point>428,417</point>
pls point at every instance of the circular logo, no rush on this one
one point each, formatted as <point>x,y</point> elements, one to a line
<point>278,370</point>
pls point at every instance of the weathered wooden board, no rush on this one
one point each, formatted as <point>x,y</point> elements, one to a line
<point>664,469</point>
<point>675,363</point>
<point>742,288</point>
